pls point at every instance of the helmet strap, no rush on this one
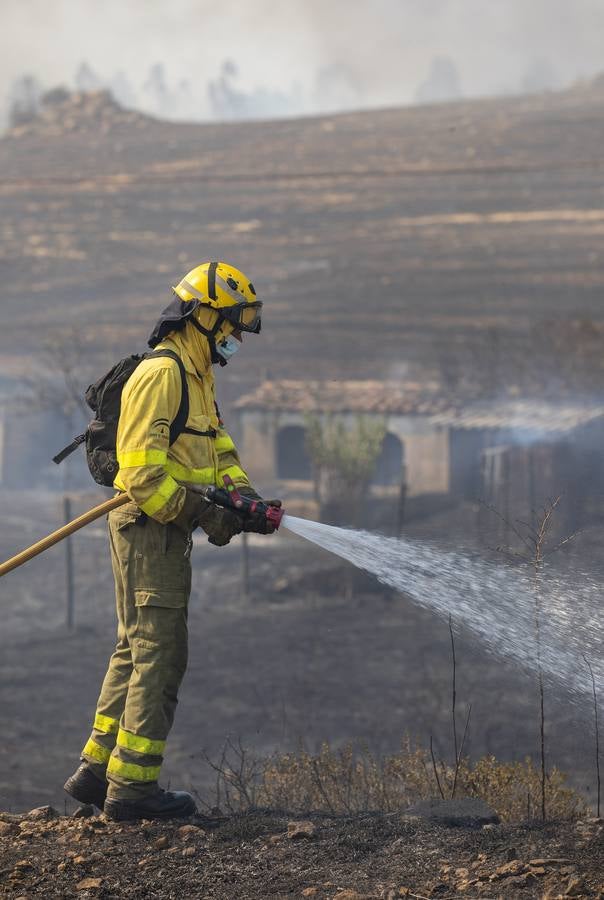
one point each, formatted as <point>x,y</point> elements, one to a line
<point>212,280</point>
<point>210,334</point>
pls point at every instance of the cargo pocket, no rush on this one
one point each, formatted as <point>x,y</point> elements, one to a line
<point>168,599</point>
<point>156,559</point>
<point>121,534</point>
<point>160,642</point>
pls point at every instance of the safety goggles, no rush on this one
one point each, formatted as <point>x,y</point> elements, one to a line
<point>244,316</point>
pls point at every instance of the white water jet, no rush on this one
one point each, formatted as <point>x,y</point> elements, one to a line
<point>494,601</point>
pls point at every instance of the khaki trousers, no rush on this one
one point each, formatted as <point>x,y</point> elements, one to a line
<point>135,709</point>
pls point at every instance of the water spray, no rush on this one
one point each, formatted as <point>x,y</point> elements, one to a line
<point>489,598</point>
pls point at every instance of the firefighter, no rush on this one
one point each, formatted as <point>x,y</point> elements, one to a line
<point>150,538</point>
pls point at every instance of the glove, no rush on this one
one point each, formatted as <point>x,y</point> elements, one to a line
<point>219,524</point>
<point>257,522</point>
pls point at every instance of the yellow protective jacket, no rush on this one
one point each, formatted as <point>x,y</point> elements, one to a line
<point>150,470</point>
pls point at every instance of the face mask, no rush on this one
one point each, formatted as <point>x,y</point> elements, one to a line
<point>228,347</point>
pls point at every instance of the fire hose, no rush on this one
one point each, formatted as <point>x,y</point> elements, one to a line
<point>227,497</point>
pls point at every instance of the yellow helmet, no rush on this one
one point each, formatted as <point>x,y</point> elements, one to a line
<point>216,286</point>
<point>225,289</point>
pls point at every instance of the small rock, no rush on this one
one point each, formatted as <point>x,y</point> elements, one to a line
<point>310,892</point>
<point>83,812</point>
<point>89,884</point>
<point>62,866</point>
<point>79,860</point>
<point>347,895</point>
<point>8,828</point>
<point>538,870</point>
<point>524,879</point>
<point>575,887</point>
<point>144,861</point>
<point>187,831</point>
<point>514,867</point>
<point>298,830</point>
<point>43,813</point>
<point>23,864</point>
<point>275,838</point>
<point>161,843</point>
<point>189,851</point>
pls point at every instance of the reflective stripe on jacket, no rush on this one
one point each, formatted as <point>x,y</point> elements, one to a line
<point>151,471</point>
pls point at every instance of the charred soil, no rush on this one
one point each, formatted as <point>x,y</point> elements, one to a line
<point>257,856</point>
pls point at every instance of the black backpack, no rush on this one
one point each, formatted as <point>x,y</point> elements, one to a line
<point>104,398</point>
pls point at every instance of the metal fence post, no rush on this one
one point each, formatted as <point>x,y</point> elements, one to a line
<point>69,588</point>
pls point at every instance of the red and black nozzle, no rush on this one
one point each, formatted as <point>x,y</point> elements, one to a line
<point>230,498</point>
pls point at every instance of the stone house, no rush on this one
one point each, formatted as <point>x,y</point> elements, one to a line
<point>434,447</point>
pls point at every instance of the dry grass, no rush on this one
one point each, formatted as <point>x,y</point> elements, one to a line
<point>351,780</point>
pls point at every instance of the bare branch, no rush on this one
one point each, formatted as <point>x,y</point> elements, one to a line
<point>454,685</point>
<point>510,525</point>
<point>440,790</point>
<point>595,696</point>
<point>564,541</point>
<point>459,758</point>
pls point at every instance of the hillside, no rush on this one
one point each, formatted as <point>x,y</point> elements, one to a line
<point>435,235</point>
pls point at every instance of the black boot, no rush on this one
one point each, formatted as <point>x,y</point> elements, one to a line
<point>162,805</point>
<point>86,787</point>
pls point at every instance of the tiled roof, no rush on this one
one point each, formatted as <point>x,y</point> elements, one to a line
<point>381,397</point>
<point>418,399</point>
<point>526,415</point>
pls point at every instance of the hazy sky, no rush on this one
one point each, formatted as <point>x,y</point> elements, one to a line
<point>302,55</point>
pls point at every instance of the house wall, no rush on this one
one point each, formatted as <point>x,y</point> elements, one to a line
<point>425,447</point>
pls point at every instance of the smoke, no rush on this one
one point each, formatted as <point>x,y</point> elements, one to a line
<point>230,101</point>
<point>199,60</point>
<point>441,84</point>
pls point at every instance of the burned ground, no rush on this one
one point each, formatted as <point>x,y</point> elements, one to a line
<point>251,857</point>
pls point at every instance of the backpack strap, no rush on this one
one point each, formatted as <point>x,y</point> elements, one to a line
<point>68,450</point>
<point>180,422</point>
<point>179,425</point>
